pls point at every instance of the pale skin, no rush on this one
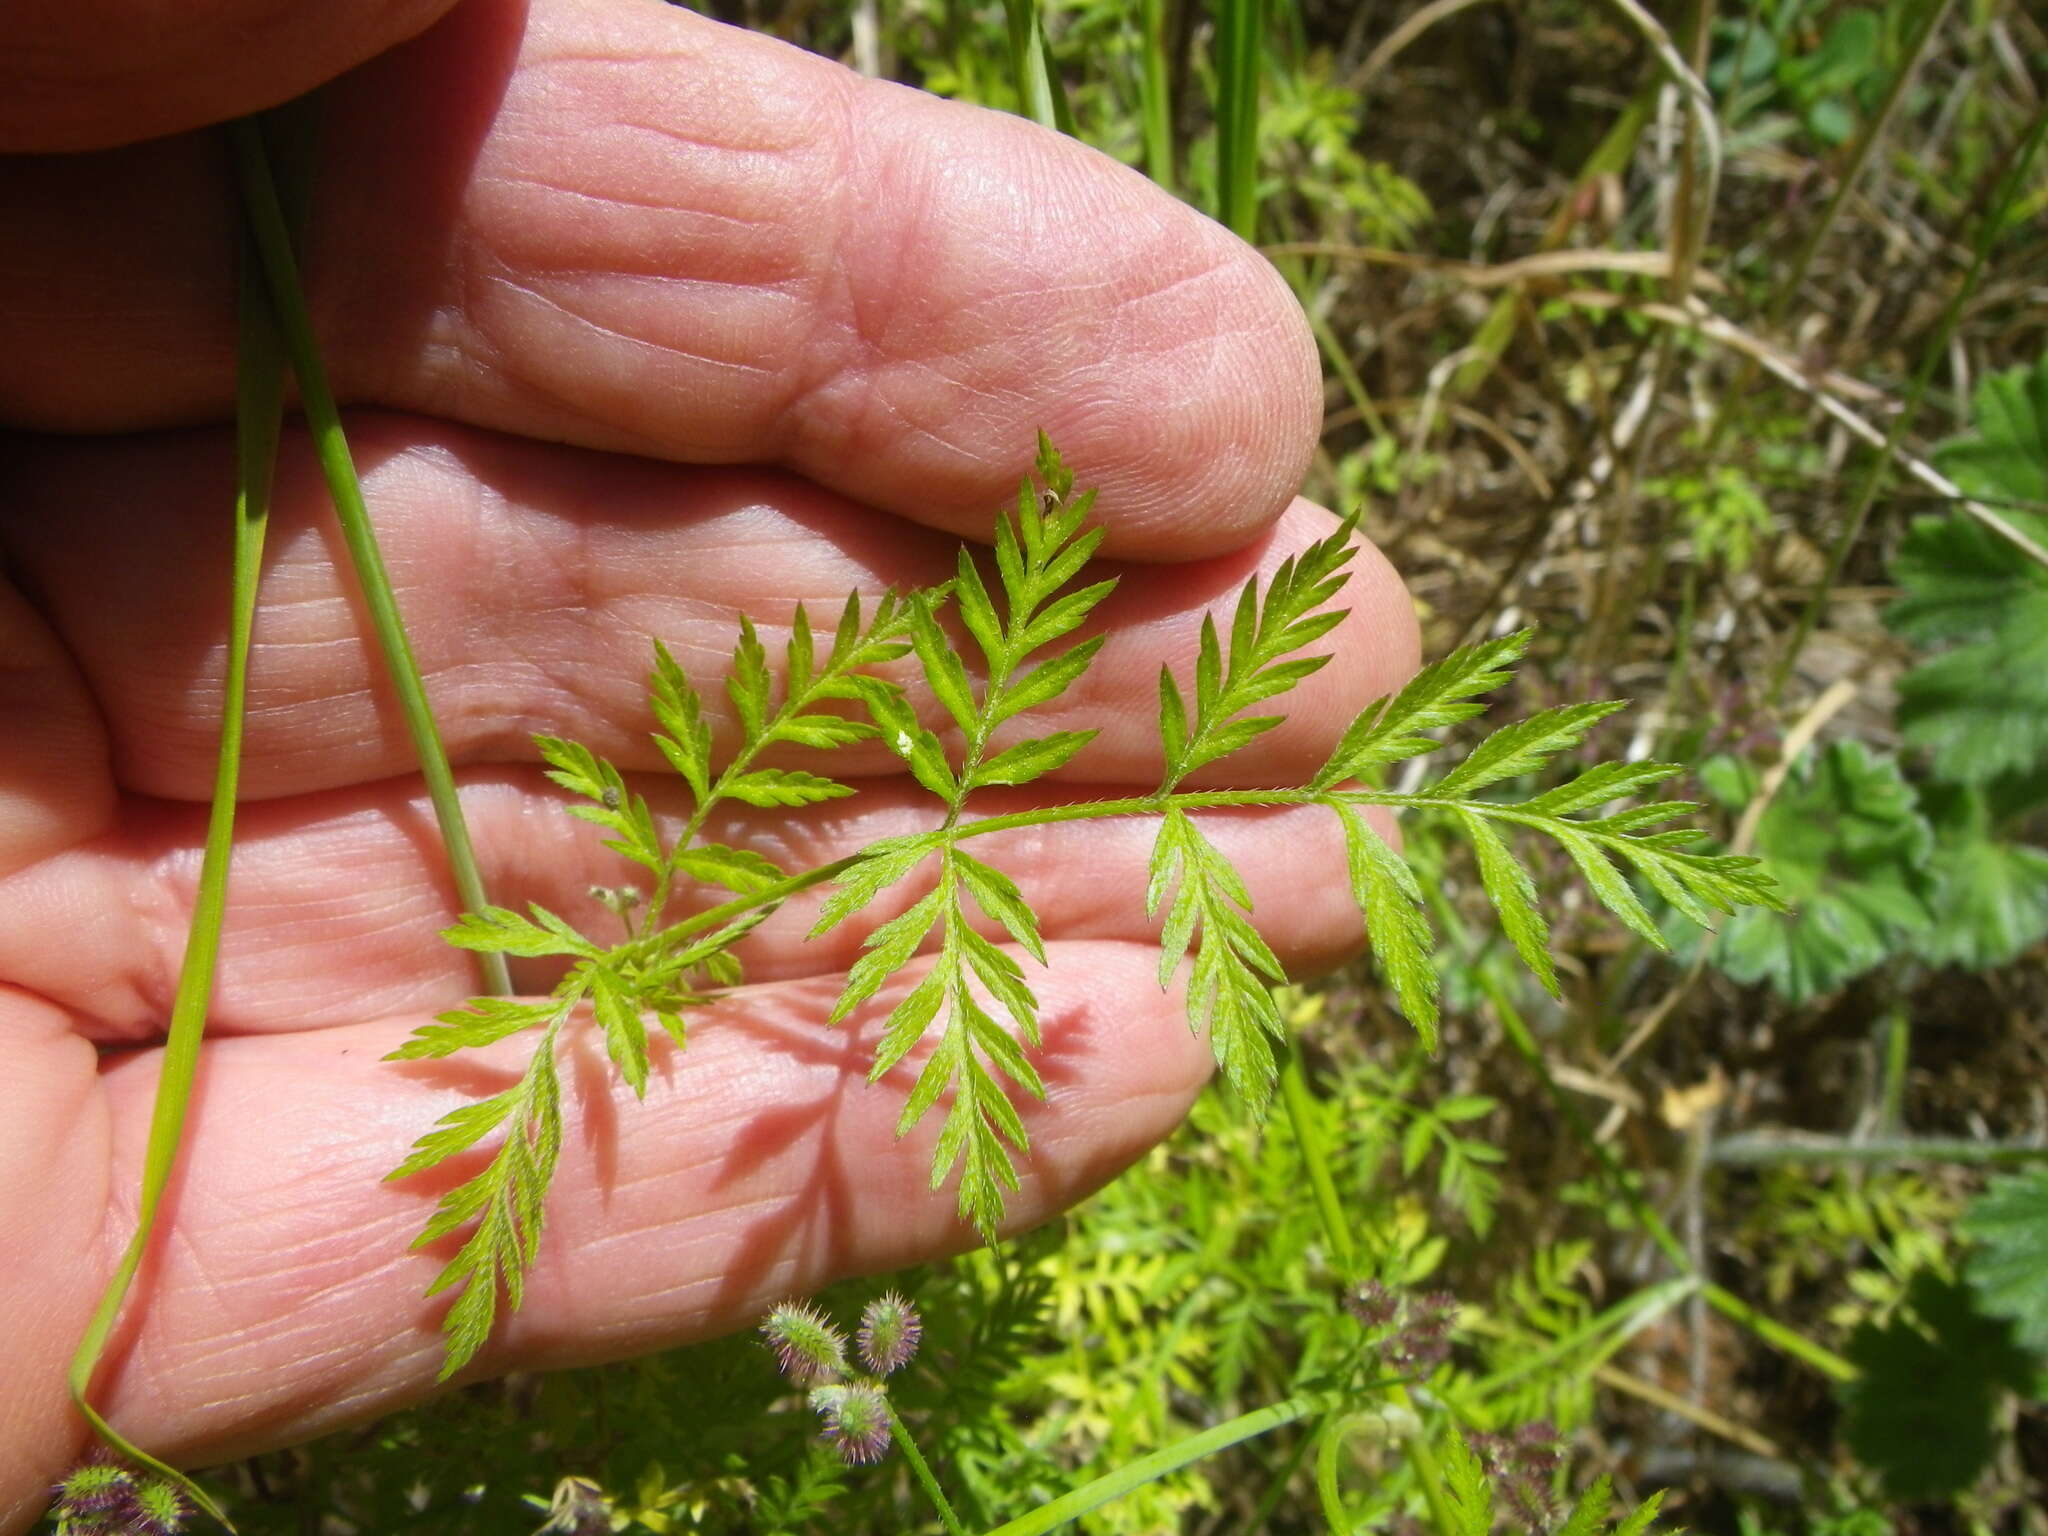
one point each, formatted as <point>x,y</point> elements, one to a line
<point>643,323</point>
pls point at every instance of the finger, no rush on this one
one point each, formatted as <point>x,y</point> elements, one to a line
<point>632,228</point>
<point>760,1165</point>
<point>54,1195</point>
<point>531,578</point>
<point>76,77</point>
<point>55,787</point>
<point>338,900</point>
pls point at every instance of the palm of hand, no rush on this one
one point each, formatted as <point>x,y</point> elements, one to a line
<point>638,245</point>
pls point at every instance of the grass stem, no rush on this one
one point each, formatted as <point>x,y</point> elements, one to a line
<point>1038,83</point>
<point>1304,1118</point>
<point>323,417</point>
<point>1240,50</point>
<point>921,1470</point>
<point>1155,92</point>
<point>259,418</point>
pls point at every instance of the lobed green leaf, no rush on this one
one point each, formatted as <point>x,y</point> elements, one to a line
<point>943,671</point>
<point>888,950</point>
<point>1390,899</point>
<point>908,739</point>
<point>747,684</point>
<point>502,931</point>
<point>479,1022</point>
<point>459,1130</point>
<point>685,737</point>
<point>739,870</point>
<point>1028,760</point>
<point>1526,745</point>
<point>1598,785</point>
<point>625,1035</point>
<point>770,787</point>
<point>997,895</point>
<point>1513,894</point>
<point>1440,694</point>
<point>880,865</point>
<point>1046,681</point>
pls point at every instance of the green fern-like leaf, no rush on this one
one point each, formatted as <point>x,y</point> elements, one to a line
<point>479,1022</point>
<point>1441,694</point>
<point>972,1011</point>
<point>1390,898</point>
<point>612,806</point>
<point>1039,549</point>
<point>1230,986</point>
<point>1468,1493</point>
<point>1261,662</point>
<point>505,1200</point>
<point>1469,1500</point>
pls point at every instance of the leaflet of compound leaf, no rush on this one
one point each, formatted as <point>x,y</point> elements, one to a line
<point>974,1003</point>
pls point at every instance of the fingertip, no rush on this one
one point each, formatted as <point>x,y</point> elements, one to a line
<point>1017,281</point>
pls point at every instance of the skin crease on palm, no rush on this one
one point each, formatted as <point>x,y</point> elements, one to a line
<point>643,323</point>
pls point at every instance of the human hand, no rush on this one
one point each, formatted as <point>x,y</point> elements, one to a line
<point>647,323</point>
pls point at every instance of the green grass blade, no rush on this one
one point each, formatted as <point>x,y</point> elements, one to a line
<point>1155,92</point>
<point>280,272</point>
<point>1160,1463</point>
<point>259,417</point>
<point>1240,34</point>
<point>1038,83</point>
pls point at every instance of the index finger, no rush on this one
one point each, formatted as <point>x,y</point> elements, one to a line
<point>634,229</point>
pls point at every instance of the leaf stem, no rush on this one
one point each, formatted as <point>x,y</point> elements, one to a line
<point>1427,1470</point>
<point>288,304</point>
<point>921,1469</point>
<point>1758,1150</point>
<point>1039,88</point>
<point>1092,810</point>
<point>1771,1331</point>
<point>1625,1318</point>
<point>1304,1119</point>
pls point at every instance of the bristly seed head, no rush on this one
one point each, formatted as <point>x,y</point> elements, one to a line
<point>94,1488</point>
<point>889,1332</point>
<point>1410,1333</point>
<point>1424,1342</point>
<point>156,1508</point>
<point>1372,1304</point>
<point>808,1349</point>
<point>857,1421</point>
<point>1521,1466</point>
